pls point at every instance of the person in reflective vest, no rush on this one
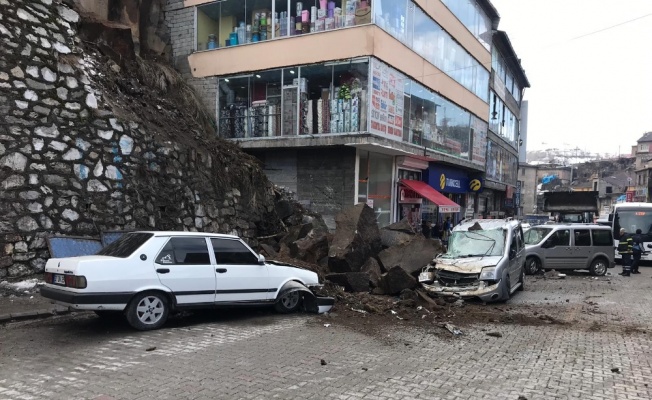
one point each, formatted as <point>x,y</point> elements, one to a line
<point>625,246</point>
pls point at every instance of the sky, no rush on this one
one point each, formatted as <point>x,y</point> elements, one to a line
<point>592,92</point>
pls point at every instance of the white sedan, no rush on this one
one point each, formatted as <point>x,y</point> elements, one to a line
<point>147,275</point>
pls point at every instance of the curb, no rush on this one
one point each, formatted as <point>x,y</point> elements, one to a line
<point>37,314</point>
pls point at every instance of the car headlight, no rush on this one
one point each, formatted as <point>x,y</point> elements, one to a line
<point>488,274</point>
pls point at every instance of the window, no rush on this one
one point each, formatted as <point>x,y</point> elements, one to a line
<point>582,237</point>
<point>126,245</point>
<point>184,251</point>
<point>609,189</point>
<point>232,251</point>
<point>595,186</point>
<point>561,238</point>
<point>602,237</point>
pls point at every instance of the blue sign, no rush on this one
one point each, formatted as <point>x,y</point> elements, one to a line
<point>452,180</point>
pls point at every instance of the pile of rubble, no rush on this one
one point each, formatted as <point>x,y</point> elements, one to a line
<point>358,256</point>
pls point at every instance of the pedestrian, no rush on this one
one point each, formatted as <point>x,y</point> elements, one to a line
<point>425,228</point>
<point>625,246</point>
<point>637,251</point>
<point>436,231</point>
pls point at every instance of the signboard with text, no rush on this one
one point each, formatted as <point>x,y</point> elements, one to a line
<point>387,99</point>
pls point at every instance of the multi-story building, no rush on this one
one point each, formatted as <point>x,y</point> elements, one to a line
<point>643,185</point>
<point>344,101</point>
<point>508,81</point>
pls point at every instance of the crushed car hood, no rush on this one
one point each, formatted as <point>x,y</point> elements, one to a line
<point>469,265</point>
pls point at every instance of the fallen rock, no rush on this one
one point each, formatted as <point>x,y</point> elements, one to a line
<point>295,233</point>
<point>552,274</point>
<point>615,370</point>
<point>151,348</point>
<point>396,280</point>
<point>323,362</point>
<point>372,267</point>
<point>356,239</point>
<point>268,250</point>
<point>408,294</point>
<point>413,255</point>
<point>397,233</point>
<point>310,249</point>
<point>495,334</point>
<point>351,281</point>
<point>284,208</point>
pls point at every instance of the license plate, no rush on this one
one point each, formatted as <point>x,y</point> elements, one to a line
<point>58,279</point>
<point>426,277</point>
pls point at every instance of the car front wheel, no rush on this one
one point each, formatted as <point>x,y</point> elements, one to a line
<point>148,311</point>
<point>288,302</point>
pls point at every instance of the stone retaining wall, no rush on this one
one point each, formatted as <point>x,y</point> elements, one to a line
<point>69,165</point>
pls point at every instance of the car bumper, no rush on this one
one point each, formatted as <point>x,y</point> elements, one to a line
<point>482,291</point>
<point>86,301</point>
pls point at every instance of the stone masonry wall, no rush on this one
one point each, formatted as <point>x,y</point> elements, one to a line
<point>71,164</point>
<point>181,22</point>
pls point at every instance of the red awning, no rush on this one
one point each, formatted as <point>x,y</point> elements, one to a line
<point>445,204</point>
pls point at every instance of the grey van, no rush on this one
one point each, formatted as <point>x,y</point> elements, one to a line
<point>485,259</point>
<point>569,246</point>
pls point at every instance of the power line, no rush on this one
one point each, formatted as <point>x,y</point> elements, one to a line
<point>610,27</point>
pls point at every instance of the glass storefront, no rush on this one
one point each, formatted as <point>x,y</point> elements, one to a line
<point>501,164</point>
<point>315,99</point>
<point>236,22</point>
<point>339,97</point>
<point>473,17</point>
<point>408,23</point>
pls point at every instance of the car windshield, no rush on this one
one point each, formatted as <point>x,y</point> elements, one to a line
<point>126,245</point>
<point>536,235</point>
<point>476,243</point>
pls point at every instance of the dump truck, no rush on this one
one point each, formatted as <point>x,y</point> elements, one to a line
<point>571,207</point>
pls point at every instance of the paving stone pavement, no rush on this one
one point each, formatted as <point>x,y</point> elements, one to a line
<point>266,356</point>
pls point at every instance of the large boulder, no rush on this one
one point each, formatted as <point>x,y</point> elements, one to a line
<point>372,267</point>
<point>412,256</point>
<point>396,280</point>
<point>351,281</point>
<point>397,233</point>
<point>357,238</point>
<point>310,249</point>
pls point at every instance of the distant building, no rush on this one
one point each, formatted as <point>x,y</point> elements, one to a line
<point>522,150</point>
<point>642,189</point>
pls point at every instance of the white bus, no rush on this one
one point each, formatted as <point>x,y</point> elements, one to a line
<point>633,216</point>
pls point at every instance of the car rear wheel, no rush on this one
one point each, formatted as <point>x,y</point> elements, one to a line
<point>288,302</point>
<point>148,311</point>
<point>532,265</point>
<point>598,267</point>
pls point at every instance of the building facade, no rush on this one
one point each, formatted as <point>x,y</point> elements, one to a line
<point>350,101</point>
<point>642,190</point>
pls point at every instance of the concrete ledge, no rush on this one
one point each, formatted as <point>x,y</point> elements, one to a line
<point>35,314</point>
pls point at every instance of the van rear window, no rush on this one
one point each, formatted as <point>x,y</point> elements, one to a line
<point>126,245</point>
<point>602,237</point>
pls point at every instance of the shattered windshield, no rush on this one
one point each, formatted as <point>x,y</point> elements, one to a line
<point>536,235</point>
<point>476,243</point>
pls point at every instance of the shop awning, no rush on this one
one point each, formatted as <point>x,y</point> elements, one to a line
<point>444,204</point>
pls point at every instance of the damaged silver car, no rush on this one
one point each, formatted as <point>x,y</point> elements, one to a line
<point>485,259</point>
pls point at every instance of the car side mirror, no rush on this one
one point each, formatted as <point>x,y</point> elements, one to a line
<point>261,259</point>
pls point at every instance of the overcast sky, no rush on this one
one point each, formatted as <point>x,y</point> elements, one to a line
<point>593,92</point>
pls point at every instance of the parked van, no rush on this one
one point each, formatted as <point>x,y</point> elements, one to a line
<point>485,259</point>
<point>569,246</point>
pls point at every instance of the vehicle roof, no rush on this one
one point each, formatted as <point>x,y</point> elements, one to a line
<point>633,205</point>
<point>486,224</point>
<point>574,225</point>
<point>183,233</point>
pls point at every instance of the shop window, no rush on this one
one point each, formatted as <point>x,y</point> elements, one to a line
<point>233,103</point>
<point>265,111</point>
<point>391,15</point>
